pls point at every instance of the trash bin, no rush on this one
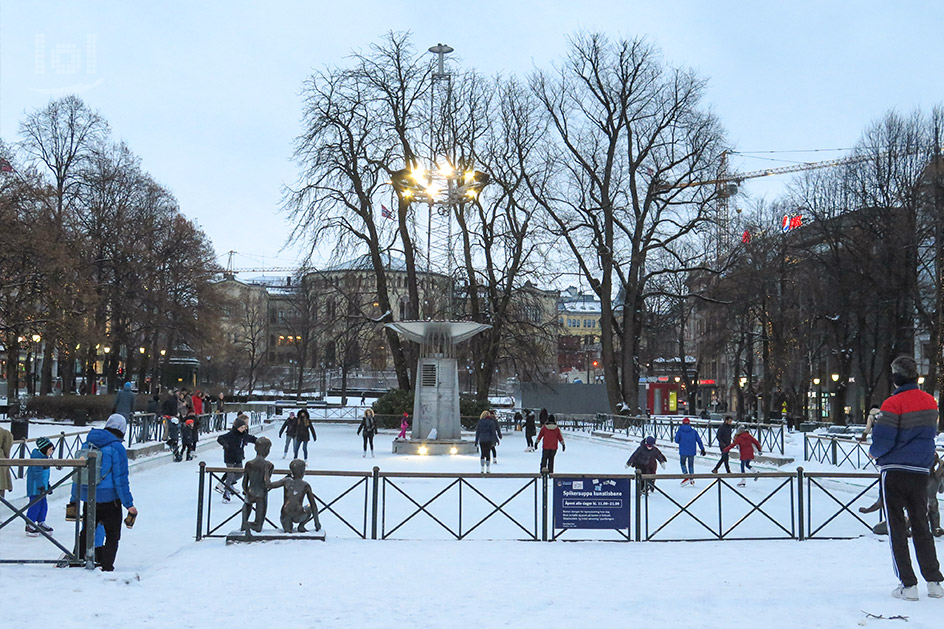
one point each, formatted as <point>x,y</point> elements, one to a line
<point>19,426</point>
<point>278,410</point>
<point>79,417</point>
<point>807,427</point>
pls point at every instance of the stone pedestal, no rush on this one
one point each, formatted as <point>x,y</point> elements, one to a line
<point>434,447</point>
<point>235,537</point>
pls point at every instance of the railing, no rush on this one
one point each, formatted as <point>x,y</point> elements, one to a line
<point>150,428</point>
<point>837,451</point>
<point>65,445</point>
<point>415,505</point>
<point>69,556</point>
<point>770,436</point>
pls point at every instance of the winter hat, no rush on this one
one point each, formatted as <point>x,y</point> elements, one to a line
<point>650,441</point>
<point>117,422</point>
<point>189,422</point>
<point>42,444</point>
<point>741,429</point>
<point>127,386</point>
<point>686,421</point>
<point>240,421</point>
<point>174,420</point>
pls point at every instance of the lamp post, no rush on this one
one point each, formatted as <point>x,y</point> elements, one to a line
<point>819,400</point>
<point>36,338</point>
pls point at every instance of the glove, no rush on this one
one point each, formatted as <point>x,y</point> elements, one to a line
<point>703,453</point>
<point>563,447</point>
<point>662,464</point>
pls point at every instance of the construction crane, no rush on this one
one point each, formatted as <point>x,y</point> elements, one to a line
<point>231,268</point>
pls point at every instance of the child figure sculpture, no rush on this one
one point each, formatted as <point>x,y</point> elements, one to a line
<point>256,485</point>
<point>296,489</point>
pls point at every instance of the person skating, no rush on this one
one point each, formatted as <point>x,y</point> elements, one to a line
<point>37,488</point>
<point>724,440</point>
<point>367,430</point>
<point>173,436</point>
<point>496,443</point>
<point>233,443</point>
<point>112,490</point>
<point>551,436</point>
<point>404,426</point>
<point>288,427</point>
<point>687,438</point>
<point>486,434</point>
<point>188,437</point>
<point>304,431</point>
<point>645,459</point>
<point>529,429</point>
<point>746,445</point>
<point>903,445</point>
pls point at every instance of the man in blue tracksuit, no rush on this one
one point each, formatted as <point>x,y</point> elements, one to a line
<point>112,490</point>
<point>903,446</point>
<point>687,438</point>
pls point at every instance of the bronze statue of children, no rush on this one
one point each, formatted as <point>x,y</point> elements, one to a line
<point>296,489</point>
<point>256,485</point>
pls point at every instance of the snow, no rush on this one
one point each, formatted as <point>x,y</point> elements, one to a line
<point>163,577</point>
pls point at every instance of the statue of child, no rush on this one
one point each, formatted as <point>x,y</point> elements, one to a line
<point>296,489</point>
<point>256,485</point>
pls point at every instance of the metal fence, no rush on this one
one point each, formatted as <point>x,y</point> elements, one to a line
<point>65,446</point>
<point>68,553</point>
<point>841,452</point>
<point>770,436</point>
<point>416,505</point>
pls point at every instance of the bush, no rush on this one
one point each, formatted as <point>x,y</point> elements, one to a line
<point>98,407</point>
<point>395,402</point>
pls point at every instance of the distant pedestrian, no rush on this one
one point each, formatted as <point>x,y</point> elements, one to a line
<point>542,416</point>
<point>188,436</point>
<point>154,405</point>
<point>288,427</point>
<point>6,445</point>
<point>903,445</point>
<point>747,445</point>
<point>124,402</point>
<point>233,443</point>
<point>196,402</point>
<point>367,430</point>
<point>869,422</point>
<point>496,443</point>
<point>724,440</point>
<point>529,429</point>
<point>37,488</point>
<point>645,459</point>
<point>486,435</point>
<point>404,426</point>
<point>173,436</point>
<point>687,438</point>
<point>551,436</point>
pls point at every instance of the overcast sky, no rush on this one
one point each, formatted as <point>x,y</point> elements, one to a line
<point>207,93</point>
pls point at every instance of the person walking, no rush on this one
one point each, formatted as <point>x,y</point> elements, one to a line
<point>687,438</point>
<point>112,491</point>
<point>304,431</point>
<point>188,437</point>
<point>645,459</point>
<point>37,488</point>
<point>367,430</point>
<point>288,427</point>
<point>486,435</point>
<point>724,440</point>
<point>746,445</point>
<point>233,443</point>
<point>124,402</point>
<point>529,430</point>
<point>495,444</point>
<point>6,446</point>
<point>551,436</point>
<point>903,436</point>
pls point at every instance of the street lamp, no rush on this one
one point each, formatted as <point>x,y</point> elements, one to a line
<point>819,400</point>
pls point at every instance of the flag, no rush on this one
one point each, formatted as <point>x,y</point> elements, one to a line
<point>746,237</point>
<point>5,166</point>
<point>385,212</point>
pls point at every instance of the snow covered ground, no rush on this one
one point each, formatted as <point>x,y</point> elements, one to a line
<point>164,578</point>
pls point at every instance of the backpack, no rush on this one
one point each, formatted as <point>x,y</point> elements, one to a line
<point>81,479</point>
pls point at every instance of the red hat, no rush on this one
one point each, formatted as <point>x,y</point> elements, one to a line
<point>686,421</point>
<point>189,422</point>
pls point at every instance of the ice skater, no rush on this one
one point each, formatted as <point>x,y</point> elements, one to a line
<point>724,440</point>
<point>645,459</point>
<point>746,445</point>
<point>404,426</point>
<point>486,435</point>
<point>288,427</point>
<point>529,430</point>
<point>687,438</point>
<point>551,436</point>
<point>37,488</point>
<point>367,430</point>
<point>233,443</point>
<point>188,437</point>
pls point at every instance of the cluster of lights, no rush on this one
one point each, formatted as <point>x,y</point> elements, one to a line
<point>443,184</point>
<point>423,450</point>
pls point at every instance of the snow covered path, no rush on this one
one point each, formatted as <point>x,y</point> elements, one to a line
<point>164,578</point>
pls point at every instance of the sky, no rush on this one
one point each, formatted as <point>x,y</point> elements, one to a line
<point>208,93</point>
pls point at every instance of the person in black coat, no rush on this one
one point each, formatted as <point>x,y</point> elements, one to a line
<point>303,430</point>
<point>368,429</point>
<point>724,440</point>
<point>529,429</point>
<point>233,443</point>
<point>288,427</point>
<point>188,436</point>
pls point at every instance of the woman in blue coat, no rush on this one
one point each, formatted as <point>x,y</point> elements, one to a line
<point>687,438</point>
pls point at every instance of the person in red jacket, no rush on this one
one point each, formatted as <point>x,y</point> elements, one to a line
<point>197,401</point>
<point>746,445</point>
<point>551,435</point>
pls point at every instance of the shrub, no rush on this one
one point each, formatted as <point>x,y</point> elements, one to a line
<point>95,407</point>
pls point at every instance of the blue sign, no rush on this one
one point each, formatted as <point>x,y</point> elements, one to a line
<point>586,502</point>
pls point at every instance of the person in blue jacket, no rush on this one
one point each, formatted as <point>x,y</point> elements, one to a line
<point>687,438</point>
<point>112,490</point>
<point>37,484</point>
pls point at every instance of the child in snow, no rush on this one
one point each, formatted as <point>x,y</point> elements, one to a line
<point>37,484</point>
<point>188,436</point>
<point>173,435</point>
<point>645,459</point>
<point>404,426</point>
<point>746,445</point>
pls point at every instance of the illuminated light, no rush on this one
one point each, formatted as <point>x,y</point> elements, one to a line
<point>141,350</point>
<point>469,175</point>
<point>446,170</point>
<point>407,194</point>
<point>106,349</point>
<point>453,450</point>
<point>37,338</point>
<point>472,194</point>
<point>163,352</point>
<point>20,339</point>
<point>678,378</point>
<point>431,190</point>
<point>97,345</point>
<point>418,173</point>
<point>921,380</point>
<point>78,345</point>
<point>816,381</point>
<point>835,377</point>
<point>422,450</point>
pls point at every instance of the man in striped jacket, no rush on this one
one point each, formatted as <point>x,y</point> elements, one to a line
<point>903,445</point>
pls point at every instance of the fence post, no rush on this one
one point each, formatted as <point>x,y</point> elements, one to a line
<point>91,507</point>
<point>200,496</point>
<point>801,510</point>
<point>375,491</point>
<point>782,442</point>
<point>834,446</point>
<point>639,483</point>
<point>806,456</point>
<point>544,506</point>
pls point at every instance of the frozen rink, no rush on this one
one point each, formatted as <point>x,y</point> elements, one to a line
<point>422,578</point>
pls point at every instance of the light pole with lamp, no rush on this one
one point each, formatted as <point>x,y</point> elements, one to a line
<point>834,409</point>
<point>36,338</point>
<point>819,400</point>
